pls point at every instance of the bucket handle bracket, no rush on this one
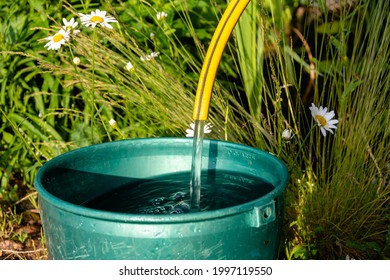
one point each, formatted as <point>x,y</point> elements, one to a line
<point>262,215</point>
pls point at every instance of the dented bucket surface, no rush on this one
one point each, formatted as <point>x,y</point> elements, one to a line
<point>73,188</point>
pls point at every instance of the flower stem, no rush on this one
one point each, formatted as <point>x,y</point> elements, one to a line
<point>93,85</point>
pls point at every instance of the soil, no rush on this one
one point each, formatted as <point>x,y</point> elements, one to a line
<point>23,241</point>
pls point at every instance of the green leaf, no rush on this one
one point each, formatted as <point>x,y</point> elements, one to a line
<point>339,46</point>
<point>48,129</point>
<point>7,137</point>
<point>329,27</point>
<point>300,60</point>
<point>27,125</point>
<point>11,36</point>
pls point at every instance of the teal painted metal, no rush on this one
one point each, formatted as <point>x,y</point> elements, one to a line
<point>247,231</point>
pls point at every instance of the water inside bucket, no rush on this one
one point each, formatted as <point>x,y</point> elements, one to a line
<point>169,194</point>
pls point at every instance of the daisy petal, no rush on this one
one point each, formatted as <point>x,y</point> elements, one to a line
<point>190,131</point>
<point>333,121</point>
<point>330,115</point>
<point>323,131</point>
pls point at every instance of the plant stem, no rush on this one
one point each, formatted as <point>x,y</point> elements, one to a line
<point>93,85</point>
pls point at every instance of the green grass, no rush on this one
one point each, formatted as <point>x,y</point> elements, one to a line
<point>337,200</point>
<point>340,198</point>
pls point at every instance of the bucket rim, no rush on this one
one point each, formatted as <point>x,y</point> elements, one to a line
<point>80,210</point>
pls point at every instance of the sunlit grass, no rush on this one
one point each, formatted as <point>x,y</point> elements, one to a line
<point>340,198</point>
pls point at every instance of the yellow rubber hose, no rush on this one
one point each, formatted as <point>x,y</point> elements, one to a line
<point>213,57</point>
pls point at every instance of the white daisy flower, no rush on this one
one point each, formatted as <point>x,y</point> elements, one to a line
<point>287,134</point>
<point>56,41</point>
<point>154,54</point>
<point>113,123</point>
<point>129,66</point>
<point>323,118</point>
<point>161,15</point>
<point>150,56</point>
<point>97,17</point>
<point>190,131</point>
<point>76,60</point>
<point>69,26</point>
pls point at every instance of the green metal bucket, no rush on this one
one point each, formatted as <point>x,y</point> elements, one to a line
<point>248,229</point>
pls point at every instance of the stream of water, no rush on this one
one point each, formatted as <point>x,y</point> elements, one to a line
<point>196,167</point>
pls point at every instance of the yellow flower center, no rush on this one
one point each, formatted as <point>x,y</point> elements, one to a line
<point>57,38</point>
<point>97,19</point>
<point>321,120</point>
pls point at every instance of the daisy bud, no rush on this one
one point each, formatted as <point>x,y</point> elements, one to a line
<point>129,67</point>
<point>287,134</point>
<point>161,15</point>
<point>76,60</point>
<point>113,123</point>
